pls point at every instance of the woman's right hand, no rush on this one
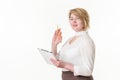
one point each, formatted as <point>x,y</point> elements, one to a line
<point>57,37</point>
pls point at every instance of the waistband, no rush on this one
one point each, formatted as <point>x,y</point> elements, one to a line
<point>69,72</point>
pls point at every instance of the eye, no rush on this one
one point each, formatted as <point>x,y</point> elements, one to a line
<point>77,18</point>
<point>70,18</point>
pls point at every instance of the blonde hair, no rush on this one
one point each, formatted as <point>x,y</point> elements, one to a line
<point>83,15</point>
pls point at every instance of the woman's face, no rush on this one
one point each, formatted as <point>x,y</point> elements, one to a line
<point>76,23</point>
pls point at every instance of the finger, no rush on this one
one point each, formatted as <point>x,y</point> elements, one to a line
<point>60,33</point>
<point>57,31</point>
<point>53,60</point>
<point>60,36</point>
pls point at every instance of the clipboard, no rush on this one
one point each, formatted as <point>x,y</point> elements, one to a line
<point>46,55</point>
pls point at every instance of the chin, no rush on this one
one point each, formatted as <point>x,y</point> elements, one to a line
<point>75,29</point>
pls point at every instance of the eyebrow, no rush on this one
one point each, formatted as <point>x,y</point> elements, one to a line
<point>73,18</point>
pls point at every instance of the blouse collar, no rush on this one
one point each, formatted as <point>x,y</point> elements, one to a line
<point>80,33</point>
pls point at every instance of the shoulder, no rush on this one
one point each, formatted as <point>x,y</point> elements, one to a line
<point>85,40</point>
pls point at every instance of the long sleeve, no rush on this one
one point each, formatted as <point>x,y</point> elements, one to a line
<point>87,50</point>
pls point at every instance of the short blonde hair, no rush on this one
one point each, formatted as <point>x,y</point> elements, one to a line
<point>82,14</point>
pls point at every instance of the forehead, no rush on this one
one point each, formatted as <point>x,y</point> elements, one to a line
<point>73,16</point>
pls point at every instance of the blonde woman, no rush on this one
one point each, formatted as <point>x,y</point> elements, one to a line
<point>77,55</point>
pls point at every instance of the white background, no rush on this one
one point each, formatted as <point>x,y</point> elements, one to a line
<point>26,25</point>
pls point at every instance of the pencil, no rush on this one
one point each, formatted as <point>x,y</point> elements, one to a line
<point>57,27</point>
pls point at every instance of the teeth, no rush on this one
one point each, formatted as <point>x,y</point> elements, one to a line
<point>75,25</point>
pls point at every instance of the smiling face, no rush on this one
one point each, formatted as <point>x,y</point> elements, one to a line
<point>79,19</point>
<point>76,23</point>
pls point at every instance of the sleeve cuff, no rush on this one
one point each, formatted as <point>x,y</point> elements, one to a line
<point>76,70</point>
<point>80,71</point>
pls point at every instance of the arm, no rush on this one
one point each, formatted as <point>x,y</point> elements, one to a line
<point>62,64</point>
<point>54,49</point>
<point>69,67</point>
<point>57,38</point>
<point>87,50</point>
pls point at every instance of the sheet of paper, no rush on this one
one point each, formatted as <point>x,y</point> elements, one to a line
<point>46,55</point>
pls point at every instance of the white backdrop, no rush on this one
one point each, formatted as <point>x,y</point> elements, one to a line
<point>26,25</point>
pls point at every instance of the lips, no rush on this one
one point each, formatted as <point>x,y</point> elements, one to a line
<point>75,25</point>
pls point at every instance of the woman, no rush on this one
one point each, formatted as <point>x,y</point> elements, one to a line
<point>76,57</point>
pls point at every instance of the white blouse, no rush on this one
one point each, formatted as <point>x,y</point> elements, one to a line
<point>80,53</point>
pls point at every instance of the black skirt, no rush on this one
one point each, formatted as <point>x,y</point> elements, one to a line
<point>68,75</point>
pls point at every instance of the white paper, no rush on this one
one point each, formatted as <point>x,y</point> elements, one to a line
<point>46,55</point>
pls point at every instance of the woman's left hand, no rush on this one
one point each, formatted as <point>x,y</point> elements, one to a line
<point>58,63</point>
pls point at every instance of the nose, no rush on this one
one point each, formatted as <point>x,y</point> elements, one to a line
<point>74,21</point>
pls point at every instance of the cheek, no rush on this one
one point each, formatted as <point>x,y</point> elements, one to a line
<point>79,22</point>
<point>70,22</point>
<point>80,25</point>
